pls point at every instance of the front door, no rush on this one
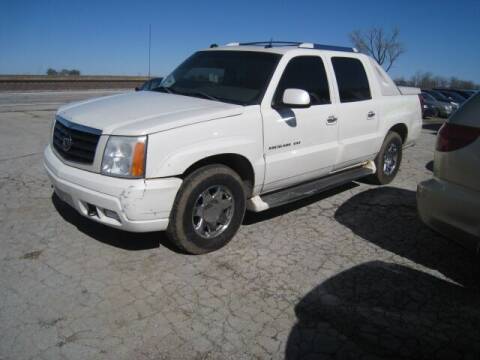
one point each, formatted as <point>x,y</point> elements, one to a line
<point>300,143</point>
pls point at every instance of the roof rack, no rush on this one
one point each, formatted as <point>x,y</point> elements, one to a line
<point>305,45</point>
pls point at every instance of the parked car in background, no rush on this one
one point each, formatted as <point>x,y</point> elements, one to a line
<point>149,84</point>
<point>434,107</point>
<point>450,202</point>
<point>465,93</point>
<point>440,97</point>
<point>470,93</point>
<point>452,96</point>
<point>428,108</point>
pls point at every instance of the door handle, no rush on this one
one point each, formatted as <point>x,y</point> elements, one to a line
<point>371,114</point>
<point>331,120</point>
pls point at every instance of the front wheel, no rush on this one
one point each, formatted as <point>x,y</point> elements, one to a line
<point>388,159</point>
<point>208,209</point>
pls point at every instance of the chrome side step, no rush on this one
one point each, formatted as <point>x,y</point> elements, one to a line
<point>298,192</point>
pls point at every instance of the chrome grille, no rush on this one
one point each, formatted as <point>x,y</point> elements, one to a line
<point>75,142</point>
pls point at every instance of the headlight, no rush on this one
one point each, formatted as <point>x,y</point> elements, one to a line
<point>124,156</point>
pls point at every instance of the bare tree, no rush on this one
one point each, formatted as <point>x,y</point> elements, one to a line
<point>63,72</point>
<point>383,47</point>
<point>427,80</point>
<point>51,72</point>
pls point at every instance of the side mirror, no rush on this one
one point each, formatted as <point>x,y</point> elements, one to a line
<point>296,98</point>
<point>137,88</point>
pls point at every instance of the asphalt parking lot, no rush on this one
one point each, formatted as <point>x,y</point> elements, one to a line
<point>350,274</point>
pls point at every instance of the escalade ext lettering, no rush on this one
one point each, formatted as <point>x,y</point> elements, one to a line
<point>242,126</point>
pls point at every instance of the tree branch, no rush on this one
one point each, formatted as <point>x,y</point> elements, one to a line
<point>383,47</point>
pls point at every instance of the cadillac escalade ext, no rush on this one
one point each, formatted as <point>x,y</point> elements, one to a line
<point>235,127</point>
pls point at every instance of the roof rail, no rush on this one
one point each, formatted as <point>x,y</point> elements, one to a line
<point>304,45</point>
<point>269,44</point>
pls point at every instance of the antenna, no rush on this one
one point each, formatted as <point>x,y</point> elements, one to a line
<point>271,43</point>
<point>149,46</point>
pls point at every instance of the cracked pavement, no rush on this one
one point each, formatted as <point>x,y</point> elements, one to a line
<point>349,274</point>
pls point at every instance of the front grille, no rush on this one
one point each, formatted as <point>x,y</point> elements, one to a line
<point>75,142</point>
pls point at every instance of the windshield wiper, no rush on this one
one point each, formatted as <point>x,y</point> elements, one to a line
<point>163,88</point>
<point>199,93</point>
<point>186,93</point>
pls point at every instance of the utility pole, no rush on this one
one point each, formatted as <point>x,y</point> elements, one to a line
<point>149,46</point>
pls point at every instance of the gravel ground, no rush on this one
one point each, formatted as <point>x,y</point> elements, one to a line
<point>350,274</point>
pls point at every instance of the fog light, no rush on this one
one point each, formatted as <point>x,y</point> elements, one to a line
<point>91,210</point>
<point>111,214</point>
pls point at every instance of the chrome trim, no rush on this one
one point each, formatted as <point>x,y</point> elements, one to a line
<point>75,126</point>
<point>213,211</point>
<point>390,159</point>
<point>94,167</point>
<point>102,141</point>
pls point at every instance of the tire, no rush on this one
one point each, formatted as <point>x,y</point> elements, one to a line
<point>385,173</point>
<point>210,197</point>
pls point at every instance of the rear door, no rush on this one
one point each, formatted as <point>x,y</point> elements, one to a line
<point>358,117</point>
<point>299,143</point>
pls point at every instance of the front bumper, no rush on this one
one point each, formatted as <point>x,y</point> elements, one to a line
<point>445,112</point>
<point>137,205</point>
<point>450,209</point>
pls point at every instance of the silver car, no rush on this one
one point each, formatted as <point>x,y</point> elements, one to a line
<point>450,202</point>
<point>442,108</point>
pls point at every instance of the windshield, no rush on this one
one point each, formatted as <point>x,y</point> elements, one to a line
<point>439,96</point>
<point>238,77</point>
<point>428,97</point>
<point>454,96</point>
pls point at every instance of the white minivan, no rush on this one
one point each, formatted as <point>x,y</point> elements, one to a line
<point>450,201</point>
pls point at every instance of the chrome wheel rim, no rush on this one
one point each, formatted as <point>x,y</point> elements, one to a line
<point>390,159</point>
<point>213,211</point>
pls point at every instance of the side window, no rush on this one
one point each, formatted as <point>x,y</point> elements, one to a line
<point>306,73</point>
<point>351,79</point>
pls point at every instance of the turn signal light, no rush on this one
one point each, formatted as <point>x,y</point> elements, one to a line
<point>138,161</point>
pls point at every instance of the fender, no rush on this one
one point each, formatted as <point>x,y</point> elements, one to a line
<point>172,152</point>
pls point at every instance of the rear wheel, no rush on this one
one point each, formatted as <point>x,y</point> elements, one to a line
<point>208,209</point>
<point>388,159</point>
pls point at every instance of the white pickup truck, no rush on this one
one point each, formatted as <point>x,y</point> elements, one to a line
<point>241,126</point>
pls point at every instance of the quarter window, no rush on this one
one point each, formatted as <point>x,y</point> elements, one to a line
<point>351,79</point>
<point>306,73</point>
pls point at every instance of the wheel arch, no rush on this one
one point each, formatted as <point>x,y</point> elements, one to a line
<point>401,129</point>
<point>238,163</point>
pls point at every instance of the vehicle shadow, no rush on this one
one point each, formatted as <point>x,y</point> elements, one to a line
<point>387,217</point>
<point>383,310</point>
<point>433,127</point>
<point>253,218</point>
<point>429,166</point>
<point>110,236</point>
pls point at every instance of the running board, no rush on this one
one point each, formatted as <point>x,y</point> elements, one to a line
<point>308,189</point>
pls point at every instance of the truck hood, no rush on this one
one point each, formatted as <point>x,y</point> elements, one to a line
<point>145,112</point>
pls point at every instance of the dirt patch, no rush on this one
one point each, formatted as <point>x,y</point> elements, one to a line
<point>34,255</point>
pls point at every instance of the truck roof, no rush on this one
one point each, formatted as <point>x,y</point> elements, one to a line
<point>386,85</point>
<point>281,47</point>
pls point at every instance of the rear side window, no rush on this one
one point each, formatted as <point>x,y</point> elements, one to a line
<point>306,73</point>
<point>351,79</point>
